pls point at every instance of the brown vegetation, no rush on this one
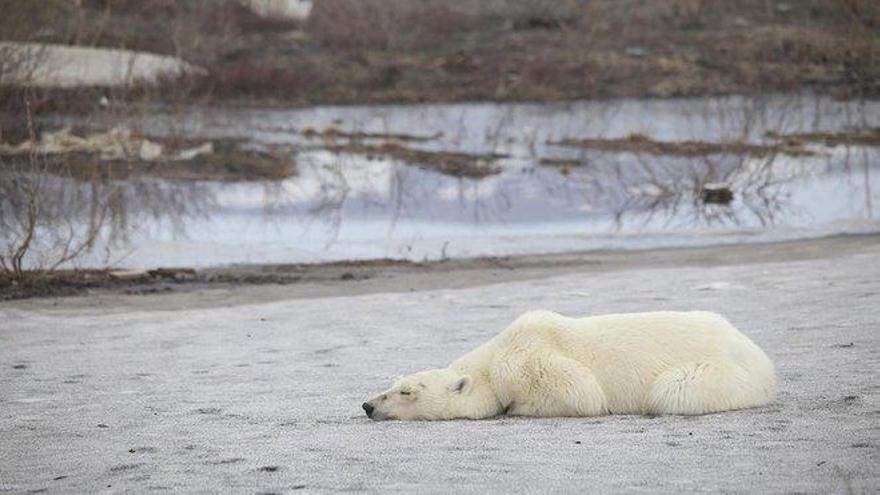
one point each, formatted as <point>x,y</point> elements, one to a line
<point>334,133</point>
<point>39,229</point>
<point>229,161</point>
<point>224,165</point>
<point>59,283</point>
<point>433,50</point>
<point>640,144</point>
<point>118,154</point>
<point>436,50</point>
<point>445,162</point>
<point>863,137</point>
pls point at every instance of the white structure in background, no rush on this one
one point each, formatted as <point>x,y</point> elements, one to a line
<point>63,66</point>
<point>295,9</point>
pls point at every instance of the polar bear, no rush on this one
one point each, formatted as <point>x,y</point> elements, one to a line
<point>545,364</point>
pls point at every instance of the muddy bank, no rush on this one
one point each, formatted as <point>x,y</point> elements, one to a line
<point>641,144</point>
<point>446,162</point>
<point>864,137</point>
<point>120,154</point>
<point>179,288</point>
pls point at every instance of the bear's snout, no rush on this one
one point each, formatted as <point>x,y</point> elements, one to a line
<point>368,408</point>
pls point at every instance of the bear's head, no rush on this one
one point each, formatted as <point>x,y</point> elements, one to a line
<point>428,395</point>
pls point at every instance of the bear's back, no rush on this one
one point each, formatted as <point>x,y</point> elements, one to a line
<point>642,341</point>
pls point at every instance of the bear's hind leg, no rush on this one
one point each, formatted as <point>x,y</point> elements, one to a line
<point>559,386</point>
<point>703,388</point>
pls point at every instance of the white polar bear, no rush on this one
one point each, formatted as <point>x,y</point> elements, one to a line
<point>545,364</point>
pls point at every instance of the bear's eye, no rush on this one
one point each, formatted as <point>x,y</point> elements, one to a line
<point>405,393</point>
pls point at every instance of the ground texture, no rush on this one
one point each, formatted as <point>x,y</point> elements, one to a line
<point>265,397</point>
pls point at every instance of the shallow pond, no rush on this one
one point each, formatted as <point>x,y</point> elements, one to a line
<point>374,182</point>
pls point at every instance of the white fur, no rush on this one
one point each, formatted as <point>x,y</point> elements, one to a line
<point>545,364</point>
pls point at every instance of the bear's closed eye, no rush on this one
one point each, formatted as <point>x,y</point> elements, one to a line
<point>404,393</point>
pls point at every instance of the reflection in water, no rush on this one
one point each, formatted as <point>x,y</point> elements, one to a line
<point>343,204</point>
<point>50,220</point>
<point>636,192</point>
<point>671,191</point>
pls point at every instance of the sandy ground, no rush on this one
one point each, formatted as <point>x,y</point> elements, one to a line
<point>257,389</point>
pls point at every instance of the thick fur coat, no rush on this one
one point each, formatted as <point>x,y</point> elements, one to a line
<point>545,364</point>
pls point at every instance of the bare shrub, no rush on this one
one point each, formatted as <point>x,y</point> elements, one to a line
<point>383,24</point>
<point>55,211</point>
<point>246,20</point>
<point>262,80</point>
<point>525,14</point>
<point>860,53</point>
<point>40,231</point>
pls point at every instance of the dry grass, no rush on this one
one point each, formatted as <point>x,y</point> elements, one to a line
<point>228,161</point>
<point>57,283</point>
<point>447,163</point>
<point>39,229</point>
<point>640,144</point>
<point>332,133</point>
<point>384,24</point>
<point>858,137</point>
<point>436,50</point>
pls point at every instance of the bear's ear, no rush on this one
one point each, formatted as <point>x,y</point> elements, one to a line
<point>463,384</point>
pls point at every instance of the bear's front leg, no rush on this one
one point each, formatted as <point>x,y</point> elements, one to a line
<point>550,384</point>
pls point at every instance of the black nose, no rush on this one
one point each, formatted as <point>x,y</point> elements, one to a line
<point>368,408</point>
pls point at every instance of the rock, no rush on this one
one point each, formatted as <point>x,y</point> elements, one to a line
<point>149,150</point>
<point>190,153</point>
<point>716,194</point>
<point>129,274</point>
<point>636,51</point>
<point>718,286</point>
<point>176,274</point>
<point>647,189</point>
<point>783,7</point>
<point>292,9</point>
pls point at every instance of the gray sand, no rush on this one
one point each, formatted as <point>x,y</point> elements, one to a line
<point>249,397</point>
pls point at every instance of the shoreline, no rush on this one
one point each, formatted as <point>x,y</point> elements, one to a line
<point>253,284</point>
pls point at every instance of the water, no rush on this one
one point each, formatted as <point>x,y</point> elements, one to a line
<point>347,205</point>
